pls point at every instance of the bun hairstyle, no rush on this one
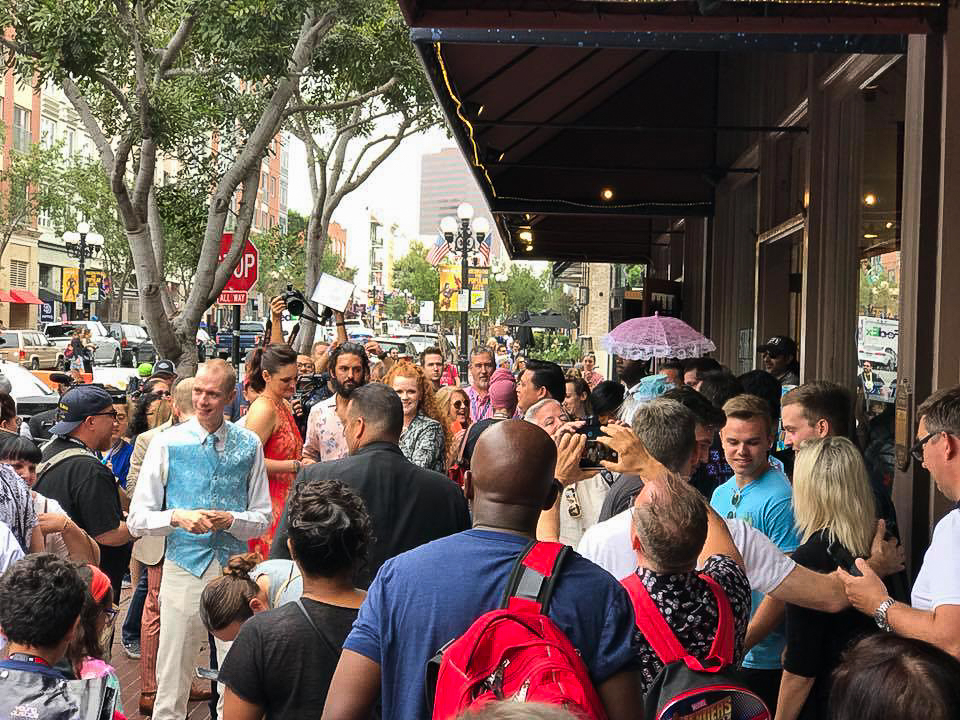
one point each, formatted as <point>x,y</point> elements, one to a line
<point>226,599</point>
<point>329,528</point>
<point>271,358</point>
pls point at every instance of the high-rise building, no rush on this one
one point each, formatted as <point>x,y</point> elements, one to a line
<point>445,182</point>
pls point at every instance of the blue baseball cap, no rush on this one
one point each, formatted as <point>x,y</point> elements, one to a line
<point>77,404</point>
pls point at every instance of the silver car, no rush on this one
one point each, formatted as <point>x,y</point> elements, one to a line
<point>106,348</point>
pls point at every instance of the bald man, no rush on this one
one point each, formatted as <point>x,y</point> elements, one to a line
<point>422,599</point>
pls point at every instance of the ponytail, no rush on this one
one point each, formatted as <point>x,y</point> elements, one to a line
<point>270,358</point>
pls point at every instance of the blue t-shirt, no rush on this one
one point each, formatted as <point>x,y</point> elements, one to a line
<point>424,598</point>
<point>766,504</point>
<point>119,462</point>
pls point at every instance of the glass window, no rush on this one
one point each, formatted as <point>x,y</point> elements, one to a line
<point>283,194</point>
<point>46,276</point>
<point>48,131</point>
<point>69,141</point>
<point>21,129</point>
<point>10,339</point>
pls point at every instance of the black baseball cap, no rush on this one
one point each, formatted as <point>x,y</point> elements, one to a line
<point>79,403</point>
<point>779,345</point>
<point>164,368</point>
<point>61,378</point>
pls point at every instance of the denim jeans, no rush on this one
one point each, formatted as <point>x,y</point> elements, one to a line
<point>131,625</point>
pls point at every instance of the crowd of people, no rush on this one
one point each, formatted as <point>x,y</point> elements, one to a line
<point>330,544</point>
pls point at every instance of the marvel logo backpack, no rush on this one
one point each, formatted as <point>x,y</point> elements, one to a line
<point>516,652</point>
<point>686,688</point>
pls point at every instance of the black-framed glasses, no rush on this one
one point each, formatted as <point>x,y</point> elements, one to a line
<point>111,614</point>
<point>917,449</point>
<point>112,413</point>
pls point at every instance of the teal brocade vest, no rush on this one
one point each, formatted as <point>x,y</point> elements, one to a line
<point>200,478</point>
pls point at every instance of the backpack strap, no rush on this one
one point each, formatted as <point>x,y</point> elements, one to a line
<point>323,638</point>
<point>61,456</point>
<point>651,623</point>
<point>534,576</point>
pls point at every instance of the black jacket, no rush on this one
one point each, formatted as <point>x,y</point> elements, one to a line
<point>408,505</point>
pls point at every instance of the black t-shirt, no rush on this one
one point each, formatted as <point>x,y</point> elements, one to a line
<point>279,663</point>
<point>816,640</point>
<point>87,490</point>
<point>621,496</point>
<point>473,435</point>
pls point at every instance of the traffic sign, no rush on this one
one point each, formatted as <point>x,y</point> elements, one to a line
<point>245,275</point>
<point>232,297</point>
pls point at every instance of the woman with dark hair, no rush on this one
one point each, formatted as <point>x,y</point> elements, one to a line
<point>9,420</point>
<point>273,374</point>
<point>150,410</point>
<point>17,511</point>
<point>86,650</point>
<point>606,400</point>
<point>282,661</point>
<point>577,401</point>
<point>61,536</point>
<point>425,436</point>
<point>888,677</point>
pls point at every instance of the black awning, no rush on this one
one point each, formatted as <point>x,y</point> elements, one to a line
<point>48,296</point>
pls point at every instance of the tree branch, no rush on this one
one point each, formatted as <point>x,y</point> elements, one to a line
<point>176,44</point>
<point>114,90</point>
<point>342,104</point>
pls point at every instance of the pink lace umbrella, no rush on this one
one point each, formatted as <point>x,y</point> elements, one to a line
<point>656,336</point>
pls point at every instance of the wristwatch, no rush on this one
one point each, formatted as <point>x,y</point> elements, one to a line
<point>880,615</point>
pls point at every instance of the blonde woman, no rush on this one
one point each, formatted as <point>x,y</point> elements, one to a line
<point>833,507</point>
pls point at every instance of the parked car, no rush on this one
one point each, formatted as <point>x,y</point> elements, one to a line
<point>107,349</point>
<point>403,345</point>
<point>135,345</point>
<point>31,393</point>
<point>422,340</point>
<point>251,333</point>
<point>31,349</point>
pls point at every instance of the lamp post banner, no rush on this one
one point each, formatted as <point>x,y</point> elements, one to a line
<point>450,286</point>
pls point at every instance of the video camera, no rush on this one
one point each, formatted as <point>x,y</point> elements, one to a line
<point>297,305</point>
<point>309,392</point>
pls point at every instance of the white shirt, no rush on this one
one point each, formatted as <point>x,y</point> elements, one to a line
<point>10,550</point>
<point>938,582</point>
<point>608,545</point>
<point>54,542</point>
<point>589,496</point>
<point>147,516</point>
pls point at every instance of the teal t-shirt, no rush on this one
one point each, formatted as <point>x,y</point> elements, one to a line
<point>767,505</point>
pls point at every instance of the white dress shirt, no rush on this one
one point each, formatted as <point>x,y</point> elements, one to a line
<point>147,516</point>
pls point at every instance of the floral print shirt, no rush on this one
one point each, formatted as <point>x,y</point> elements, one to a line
<point>690,609</point>
<point>326,439</point>
<point>422,443</point>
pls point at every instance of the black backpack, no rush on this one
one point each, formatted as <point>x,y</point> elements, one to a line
<point>687,688</point>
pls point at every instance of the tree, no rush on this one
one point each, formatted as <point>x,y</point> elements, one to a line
<point>32,182</point>
<point>636,275</point>
<point>522,290</point>
<point>283,258</point>
<point>346,144</point>
<point>86,195</point>
<point>415,275</point>
<point>206,83</point>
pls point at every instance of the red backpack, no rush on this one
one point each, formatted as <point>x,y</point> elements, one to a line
<point>516,652</point>
<point>687,687</point>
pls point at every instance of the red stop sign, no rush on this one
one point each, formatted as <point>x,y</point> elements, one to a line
<point>247,271</point>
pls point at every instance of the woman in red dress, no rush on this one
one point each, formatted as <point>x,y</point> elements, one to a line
<point>273,373</point>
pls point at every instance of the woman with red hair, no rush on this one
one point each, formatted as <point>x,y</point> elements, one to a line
<point>424,435</point>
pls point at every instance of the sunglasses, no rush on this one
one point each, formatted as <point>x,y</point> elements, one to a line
<point>573,502</point>
<point>459,404</point>
<point>917,449</point>
<point>772,354</point>
<point>112,413</point>
<point>735,501</point>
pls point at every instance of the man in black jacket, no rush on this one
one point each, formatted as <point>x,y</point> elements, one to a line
<point>409,505</point>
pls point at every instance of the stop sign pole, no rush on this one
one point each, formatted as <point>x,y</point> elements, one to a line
<point>241,280</point>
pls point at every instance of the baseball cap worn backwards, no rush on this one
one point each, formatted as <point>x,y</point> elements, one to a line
<point>77,404</point>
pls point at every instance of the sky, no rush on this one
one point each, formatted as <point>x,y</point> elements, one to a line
<point>392,193</point>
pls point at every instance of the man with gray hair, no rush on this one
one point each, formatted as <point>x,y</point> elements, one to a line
<point>933,614</point>
<point>669,535</point>
<point>668,431</point>
<point>481,368</point>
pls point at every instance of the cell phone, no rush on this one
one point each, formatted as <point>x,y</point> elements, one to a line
<point>594,451</point>
<point>842,557</point>
<point>591,429</point>
<point>208,674</point>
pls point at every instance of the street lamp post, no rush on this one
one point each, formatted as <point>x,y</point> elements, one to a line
<point>82,245</point>
<point>464,239</point>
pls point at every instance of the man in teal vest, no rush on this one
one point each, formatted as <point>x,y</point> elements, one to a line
<point>204,486</point>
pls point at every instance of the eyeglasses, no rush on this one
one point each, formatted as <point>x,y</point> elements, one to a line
<point>917,449</point>
<point>735,501</point>
<point>112,413</point>
<point>772,354</point>
<point>111,614</point>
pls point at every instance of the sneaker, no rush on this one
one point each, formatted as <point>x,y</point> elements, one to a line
<point>132,649</point>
